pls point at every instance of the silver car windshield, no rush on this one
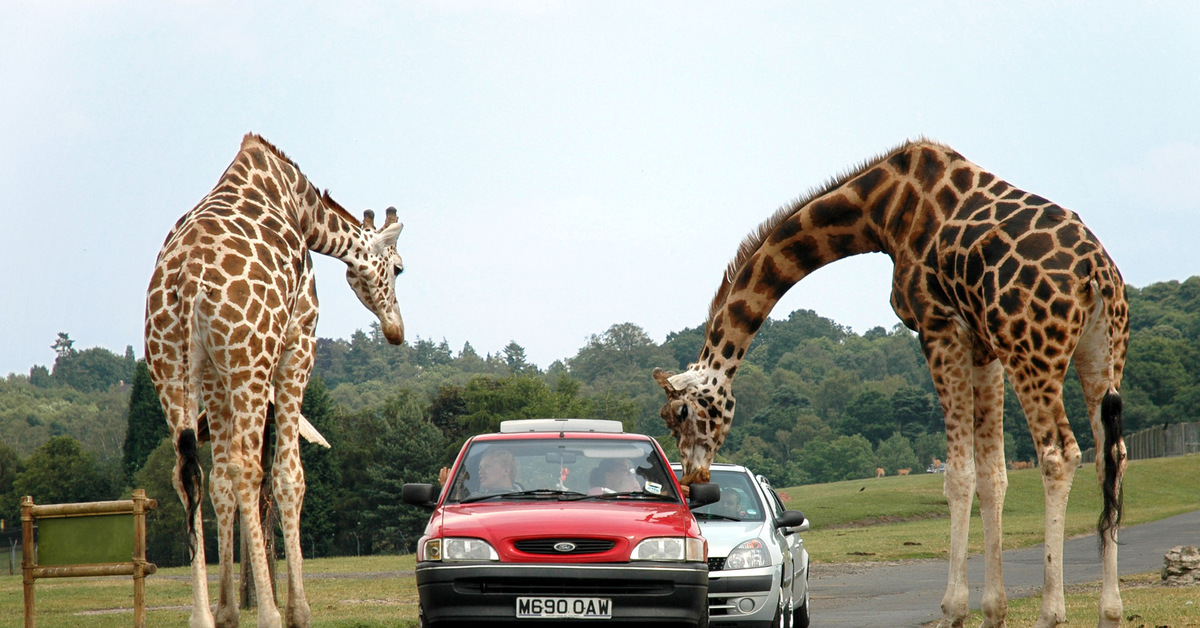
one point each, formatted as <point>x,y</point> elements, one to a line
<point>739,500</point>
<point>561,468</point>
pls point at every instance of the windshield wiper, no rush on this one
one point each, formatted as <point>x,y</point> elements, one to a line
<point>713,515</point>
<point>540,493</point>
<point>633,494</point>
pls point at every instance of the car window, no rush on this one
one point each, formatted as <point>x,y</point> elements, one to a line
<point>738,501</point>
<point>560,465</point>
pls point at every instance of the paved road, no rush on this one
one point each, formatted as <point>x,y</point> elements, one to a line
<point>910,593</point>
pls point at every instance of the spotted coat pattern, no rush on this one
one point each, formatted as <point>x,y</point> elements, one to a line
<point>231,314</point>
<point>995,281</point>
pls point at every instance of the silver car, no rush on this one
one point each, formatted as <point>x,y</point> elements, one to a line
<point>757,564</point>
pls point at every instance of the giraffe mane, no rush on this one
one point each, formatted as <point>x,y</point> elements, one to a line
<point>755,239</point>
<point>254,138</point>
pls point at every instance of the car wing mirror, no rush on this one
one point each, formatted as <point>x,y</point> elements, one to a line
<point>702,494</point>
<point>793,520</point>
<point>423,495</point>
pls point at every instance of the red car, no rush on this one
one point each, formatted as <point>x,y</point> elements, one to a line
<point>561,521</point>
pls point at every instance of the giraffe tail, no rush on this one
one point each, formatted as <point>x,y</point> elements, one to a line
<point>191,477</point>
<point>1110,516</point>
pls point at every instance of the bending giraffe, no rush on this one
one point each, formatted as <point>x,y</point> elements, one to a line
<point>995,281</point>
<point>231,315</point>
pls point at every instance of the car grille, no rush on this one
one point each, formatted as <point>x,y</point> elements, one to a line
<point>582,546</point>
<point>542,586</point>
<point>716,564</point>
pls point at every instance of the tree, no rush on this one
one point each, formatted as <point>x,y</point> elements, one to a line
<point>60,472</point>
<point>514,359</point>
<point>146,424</point>
<point>322,475</point>
<point>10,468</point>
<point>843,458</point>
<point>869,414</point>
<point>408,449</point>
<point>63,346</point>
<point>897,453</point>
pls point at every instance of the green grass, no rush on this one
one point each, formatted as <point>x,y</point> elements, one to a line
<point>1146,604</point>
<point>889,519</point>
<point>897,518</point>
<point>380,598</point>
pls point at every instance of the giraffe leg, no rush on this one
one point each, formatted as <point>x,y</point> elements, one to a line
<point>288,484</point>
<point>950,364</point>
<point>1095,375</point>
<point>992,483</point>
<point>221,487</point>
<point>221,492</point>
<point>247,479</point>
<point>1058,457</point>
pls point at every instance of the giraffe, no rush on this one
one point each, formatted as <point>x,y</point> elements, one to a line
<point>231,313</point>
<point>995,281</point>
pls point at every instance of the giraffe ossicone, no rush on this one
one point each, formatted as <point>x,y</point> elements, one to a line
<point>996,282</point>
<point>231,315</point>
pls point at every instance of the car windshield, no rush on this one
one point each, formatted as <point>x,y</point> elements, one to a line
<point>562,469</point>
<point>739,500</point>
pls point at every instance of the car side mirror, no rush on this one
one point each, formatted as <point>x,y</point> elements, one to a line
<point>794,520</point>
<point>423,495</point>
<point>703,494</point>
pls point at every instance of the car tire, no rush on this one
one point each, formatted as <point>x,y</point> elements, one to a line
<point>703,623</point>
<point>800,617</point>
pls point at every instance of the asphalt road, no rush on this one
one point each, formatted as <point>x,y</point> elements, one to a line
<point>910,593</point>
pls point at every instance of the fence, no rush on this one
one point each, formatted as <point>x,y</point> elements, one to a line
<point>1160,441</point>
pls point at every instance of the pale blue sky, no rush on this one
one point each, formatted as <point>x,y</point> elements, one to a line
<point>564,166</point>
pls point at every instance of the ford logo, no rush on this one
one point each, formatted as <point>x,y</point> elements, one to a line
<point>564,547</point>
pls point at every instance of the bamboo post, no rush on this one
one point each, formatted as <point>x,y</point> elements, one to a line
<point>27,557</point>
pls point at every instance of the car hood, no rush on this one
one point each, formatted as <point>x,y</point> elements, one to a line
<point>723,536</point>
<point>504,523</point>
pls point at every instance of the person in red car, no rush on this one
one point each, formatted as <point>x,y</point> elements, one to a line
<point>497,471</point>
<point>614,475</point>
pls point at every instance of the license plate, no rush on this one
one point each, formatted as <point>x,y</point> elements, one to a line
<point>564,608</point>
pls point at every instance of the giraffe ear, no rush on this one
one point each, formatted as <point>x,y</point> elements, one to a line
<point>386,238</point>
<point>685,380</point>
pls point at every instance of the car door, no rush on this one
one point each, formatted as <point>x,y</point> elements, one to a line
<point>789,544</point>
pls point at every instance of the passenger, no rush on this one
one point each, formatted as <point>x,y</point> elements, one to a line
<point>497,471</point>
<point>614,475</point>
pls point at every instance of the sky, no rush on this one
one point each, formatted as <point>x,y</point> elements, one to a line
<point>562,167</point>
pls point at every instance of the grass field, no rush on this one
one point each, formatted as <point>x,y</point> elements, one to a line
<point>864,520</point>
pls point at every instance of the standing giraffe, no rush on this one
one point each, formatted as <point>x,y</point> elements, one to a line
<point>994,281</point>
<point>230,317</point>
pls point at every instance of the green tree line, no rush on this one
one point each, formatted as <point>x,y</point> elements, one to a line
<point>816,403</point>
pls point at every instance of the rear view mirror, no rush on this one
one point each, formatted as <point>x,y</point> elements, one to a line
<point>792,519</point>
<point>423,495</point>
<point>703,494</point>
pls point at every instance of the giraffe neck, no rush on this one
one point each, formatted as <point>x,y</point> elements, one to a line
<point>870,210</point>
<point>326,227</point>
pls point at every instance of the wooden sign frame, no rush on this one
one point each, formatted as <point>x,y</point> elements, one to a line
<point>73,562</point>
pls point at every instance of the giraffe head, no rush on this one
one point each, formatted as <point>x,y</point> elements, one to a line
<point>372,274</point>
<point>698,412</point>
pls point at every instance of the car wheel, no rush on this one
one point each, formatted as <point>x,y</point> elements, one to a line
<point>800,616</point>
<point>703,623</point>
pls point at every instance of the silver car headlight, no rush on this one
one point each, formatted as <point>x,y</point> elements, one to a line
<point>752,553</point>
<point>459,548</point>
<point>675,548</point>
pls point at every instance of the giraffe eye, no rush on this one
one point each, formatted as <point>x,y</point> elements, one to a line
<point>398,270</point>
<point>682,412</point>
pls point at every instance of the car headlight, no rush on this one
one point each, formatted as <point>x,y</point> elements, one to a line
<point>674,548</point>
<point>455,548</point>
<point>752,553</point>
